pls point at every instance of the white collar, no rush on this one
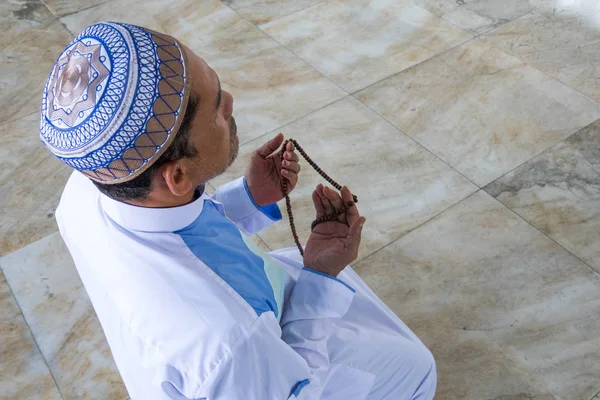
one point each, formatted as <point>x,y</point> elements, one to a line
<point>146,219</point>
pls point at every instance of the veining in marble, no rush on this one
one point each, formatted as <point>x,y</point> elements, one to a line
<point>61,8</point>
<point>559,192</point>
<point>54,302</point>
<point>507,313</point>
<point>481,110</point>
<point>30,42</point>
<point>564,44</point>
<point>23,371</point>
<point>262,11</point>
<point>477,16</point>
<point>357,43</point>
<point>32,180</point>
<point>271,86</point>
<point>399,184</point>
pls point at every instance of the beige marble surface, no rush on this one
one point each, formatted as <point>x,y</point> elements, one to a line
<point>565,45</point>
<point>358,43</point>
<point>30,42</point>
<point>398,183</point>
<point>561,9</point>
<point>481,110</point>
<point>507,313</point>
<point>477,16</point>
<point>270,85</point>
<point>261,11</point>
<point>46,285</point>
<point>32,180</point>
<point>559,193</point>
<point>23,371</point>
<point>61,8</point>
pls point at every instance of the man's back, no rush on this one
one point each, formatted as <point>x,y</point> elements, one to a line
<point>166,316</point>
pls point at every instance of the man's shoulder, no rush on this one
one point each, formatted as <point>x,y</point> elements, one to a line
<point>77,199</point>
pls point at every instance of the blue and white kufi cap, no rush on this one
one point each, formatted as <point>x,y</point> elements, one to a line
<point>114,100</point>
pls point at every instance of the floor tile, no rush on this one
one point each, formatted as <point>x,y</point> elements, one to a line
<point>270,85</point>
<point>61,8</point>
<point>560,9</point>
<point>32,181</point>
<point>399,184</point>
<point>23,372</point>
<point>507,313</point>
<point>480,109</point>
<point>261,11</point>
<point>559,192</point>
<point>477,16</point>
<point>62,320</point>
<point>28,49</point>
<point>22,15</point>
<point>358,43</point>
<point>564,45</point>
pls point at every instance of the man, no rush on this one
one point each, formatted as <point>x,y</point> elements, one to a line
<point>191,308</point>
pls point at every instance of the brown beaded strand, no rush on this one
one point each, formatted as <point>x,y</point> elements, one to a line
<point>288,202</point>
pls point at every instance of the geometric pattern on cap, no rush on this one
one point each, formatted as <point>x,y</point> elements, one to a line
<point>139,112</point>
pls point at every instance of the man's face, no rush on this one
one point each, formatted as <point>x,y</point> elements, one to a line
<point>213,130</point>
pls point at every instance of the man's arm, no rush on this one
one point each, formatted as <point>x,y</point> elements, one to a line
<point>241,208</point>
<point>291,360</point>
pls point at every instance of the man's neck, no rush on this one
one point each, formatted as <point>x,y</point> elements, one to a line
<point>160,201</point>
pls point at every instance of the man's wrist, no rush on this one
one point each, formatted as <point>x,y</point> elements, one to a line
<point>328,276</point>
<point>251,194</point>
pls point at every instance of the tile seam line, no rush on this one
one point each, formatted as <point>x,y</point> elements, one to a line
<point>511,170</point>
<point>418,226</point>
<point>77,11</point>
<point>595,396</point>
<point>386,77</point>
<point>483,38</point>
<point>33,336</point>
<point>294,120</point>
<point>594,271</point>
<point>19,118</point>
<point>541,153</point>
<point>274,19</point>
<point>493,28</point>
<point>286,48</point>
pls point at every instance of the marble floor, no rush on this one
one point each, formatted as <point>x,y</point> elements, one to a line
<point>469,129</point>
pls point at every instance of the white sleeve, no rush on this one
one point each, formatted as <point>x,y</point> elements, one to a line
<point>241,208</point>
<point>290,361</point>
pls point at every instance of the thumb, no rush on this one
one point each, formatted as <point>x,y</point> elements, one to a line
<point>268,148</point>
<point>354,236</point>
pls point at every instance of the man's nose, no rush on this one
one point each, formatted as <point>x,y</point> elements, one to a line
<point>228,103</point>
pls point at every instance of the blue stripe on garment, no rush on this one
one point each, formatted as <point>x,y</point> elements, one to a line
<point>215,240</point>
<point>331,277</point>
<point>272,210</point>
<point>299,386</point>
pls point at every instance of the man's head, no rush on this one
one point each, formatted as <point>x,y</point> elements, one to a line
<point>139,113</point>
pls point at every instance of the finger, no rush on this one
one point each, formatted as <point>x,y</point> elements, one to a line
<point>352,242</point>
<point>292,177</point>
<point>352,213</point>
<point>336,201</point>
<point>319,208</point>
<point>268,148</point>
<point>291,156</point>
<point>290,165</point>
<point>329,209</point>
<point>290,146</point>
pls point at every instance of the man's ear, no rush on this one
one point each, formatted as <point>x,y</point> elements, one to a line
<point>177,178</point>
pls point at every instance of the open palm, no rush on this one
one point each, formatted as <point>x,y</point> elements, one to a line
<point>333,244</point>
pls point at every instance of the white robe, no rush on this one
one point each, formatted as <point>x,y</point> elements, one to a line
<point>192,309</point>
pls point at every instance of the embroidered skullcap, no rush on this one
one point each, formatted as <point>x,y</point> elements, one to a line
<point>114,100</point>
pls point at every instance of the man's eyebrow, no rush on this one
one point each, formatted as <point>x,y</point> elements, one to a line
<point>218,103</point>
